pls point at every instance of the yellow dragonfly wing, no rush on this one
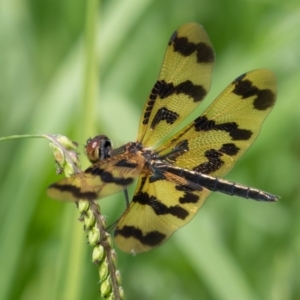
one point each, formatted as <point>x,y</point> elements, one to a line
<point>209,145</point>
<point>156,211</point>
<point>213,142</point>
<point>183,82</point>
<point>104,178</point>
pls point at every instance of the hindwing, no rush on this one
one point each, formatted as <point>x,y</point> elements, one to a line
<point>213,142</point>
<point>158,208</point>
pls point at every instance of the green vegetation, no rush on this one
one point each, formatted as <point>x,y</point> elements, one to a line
<point>233,249</point>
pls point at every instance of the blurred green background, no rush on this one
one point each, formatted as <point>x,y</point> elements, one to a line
<point>233,248</point>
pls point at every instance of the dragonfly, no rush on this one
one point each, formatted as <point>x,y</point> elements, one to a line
<point>175,173</point>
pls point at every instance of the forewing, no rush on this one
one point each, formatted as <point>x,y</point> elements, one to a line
<point>101,179</point>
<point>157,210</point>
<point>215,140</point>
<point>184,81</point>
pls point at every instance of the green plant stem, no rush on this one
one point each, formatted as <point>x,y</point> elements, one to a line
<point>23,136</point>
<point>75,255</point>
<point>91,83</point>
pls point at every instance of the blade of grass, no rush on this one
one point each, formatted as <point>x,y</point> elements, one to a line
<point>75,246</point>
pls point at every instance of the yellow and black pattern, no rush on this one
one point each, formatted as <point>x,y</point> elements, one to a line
<point>213,142</point>
<point>184,81</point>
<point>157,210</point>
<point>104,178</point>
<point>175,177</point>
